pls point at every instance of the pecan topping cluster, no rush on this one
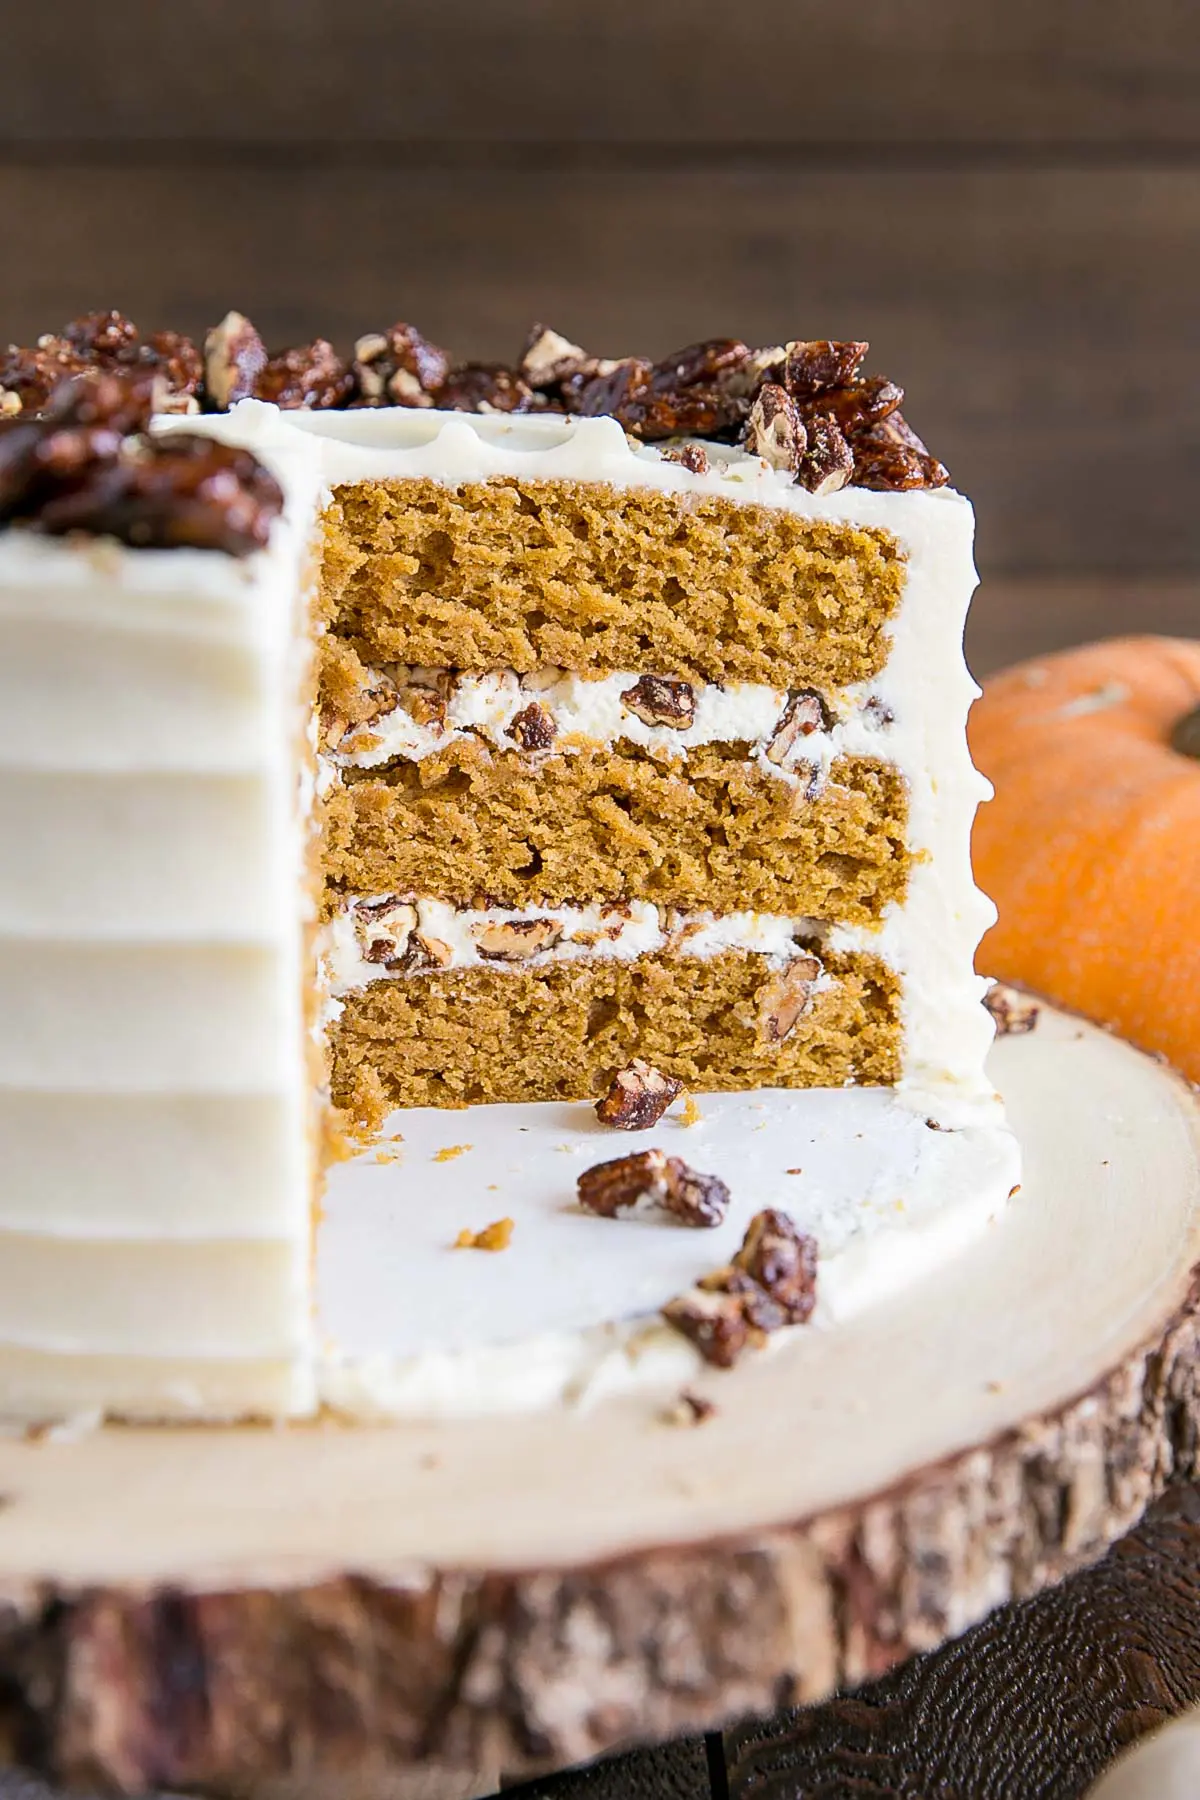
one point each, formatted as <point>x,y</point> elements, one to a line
<point>652,1178</point>
<point>84,462</point>
<point>638,1097</point>
<point>771,1282</point>
<point>1014,1012</point>
<point>100,343</point>
<point>805,406</point>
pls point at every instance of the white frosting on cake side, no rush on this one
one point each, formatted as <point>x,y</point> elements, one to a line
<point>154,1166</point>
<point>155,1114</point>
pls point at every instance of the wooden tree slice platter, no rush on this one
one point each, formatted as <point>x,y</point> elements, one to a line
<point>414,1610</point>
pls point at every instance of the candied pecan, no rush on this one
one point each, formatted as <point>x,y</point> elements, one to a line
<point>180,492</point>
<point>533,728</point>
<point>700,364</point>
<point>101,336</point>
<point>715,1323</point>
<point>856,407</point>
<point>889,456</point>
<point>786,997</point>
<point>485,388</point>
<point>311,377</point>
<point>659,700</point>
<point>695,1199</point>
<point>689,456</point>
<point>638,1097</point>
<point>1014,1012</point>
<point>178,370</point>
<point>234,358</point>
<point>513,940</point>
<point>399,367</point>
<point>828,462</point>
<point>804,713</point>
<point>79,434</point>
<point>774,429</point>
<point>687,394</point>
<point>757,1307</point>
<point>815,366</point>
<point>653,1177</point>
<point>782,1259</point>
<point>549,359</point>
<point>771,1282</point>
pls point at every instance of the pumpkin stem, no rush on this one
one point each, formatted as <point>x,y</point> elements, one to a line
<point>1186,736</point>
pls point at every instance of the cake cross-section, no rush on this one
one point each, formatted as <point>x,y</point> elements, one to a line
<point>410,736</point>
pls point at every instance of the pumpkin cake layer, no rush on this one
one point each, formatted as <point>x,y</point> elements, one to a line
<point>469,1036</point>
<point>519,573</point>
<point>713,831</point>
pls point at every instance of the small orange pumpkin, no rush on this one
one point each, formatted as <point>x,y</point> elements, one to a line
<point>1091,848</point>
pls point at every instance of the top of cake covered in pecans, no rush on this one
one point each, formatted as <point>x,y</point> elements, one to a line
<point>806,406</point>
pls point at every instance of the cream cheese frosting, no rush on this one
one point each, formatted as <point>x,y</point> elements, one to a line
<point>155,1175</point>
<point>588,711</point>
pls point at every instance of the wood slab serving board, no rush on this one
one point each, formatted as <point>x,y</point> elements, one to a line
<point>419,1609</point>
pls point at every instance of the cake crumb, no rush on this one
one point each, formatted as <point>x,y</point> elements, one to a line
<point>450,1151</point>
<point>388,1156</point>
<point>793,1171</point>
<point>689,1409</point>
<point>496,1236</point>
<point>691,1114</point>
<point>995,1387</point>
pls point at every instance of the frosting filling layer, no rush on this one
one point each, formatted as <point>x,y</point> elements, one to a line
<point>781,730</point>
<point>390,937</point>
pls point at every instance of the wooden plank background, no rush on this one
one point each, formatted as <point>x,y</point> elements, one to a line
<point>1003,196</point>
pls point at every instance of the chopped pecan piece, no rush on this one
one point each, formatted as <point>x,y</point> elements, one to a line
<point>879,712</point>
<point>813,367</point>
<point>653,1177</point>
<point>804,713</point>
<point>384,928</point>
<point>828,462</point>
<point>429,952</point>
<point>549,359</point>
<point>787,996</point>
<point>771,1282</point>
<point>775,431</point>
<point>658,700</point>
<point>424,705</point>
<point>513,940</point>
<point>399,367</point>
<point>234,358</point>
<point>639,1096</point>
<point>1014,1012</point>
<point>782,1259</point>
<point>533,728</point>
<point>715,1322</point>
<point>689,456</point>
<point>485,388</point>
